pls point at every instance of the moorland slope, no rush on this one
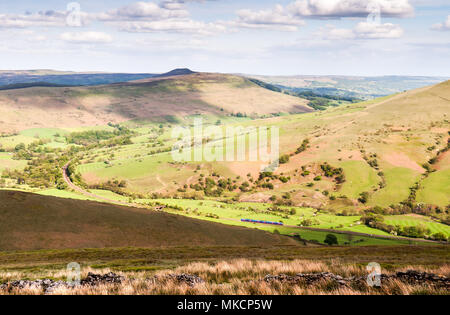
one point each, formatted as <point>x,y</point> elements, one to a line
<point>31,222</point>
<point>157,99</point>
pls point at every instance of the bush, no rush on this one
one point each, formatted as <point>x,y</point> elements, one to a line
<point>284,159</point>
<point>306,222</point>
<point>267,185</point>
<point>414,231</point>
<point>331,240</point>
<point>303,147</point>
<point>364,197</point>
<point>439,237</point>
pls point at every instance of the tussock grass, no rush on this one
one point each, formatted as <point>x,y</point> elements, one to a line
<point>243,277</point>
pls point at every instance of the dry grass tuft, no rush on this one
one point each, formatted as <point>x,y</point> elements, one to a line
<point>239,276</point>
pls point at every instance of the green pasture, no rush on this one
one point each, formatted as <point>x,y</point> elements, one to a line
<point>398,182</point>
<point>240,211</point>
<point>254,211</point>
<point>416,220</point>
<point>7,162</point>
<point>9,143</point>
<point>43,133</point>
<point>436,189</point>
<point>64,194</point>
<point>360,177</point>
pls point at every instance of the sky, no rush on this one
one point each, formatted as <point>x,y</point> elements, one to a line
<point>285,37</point>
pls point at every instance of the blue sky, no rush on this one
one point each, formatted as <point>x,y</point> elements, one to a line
<point>286,37</point>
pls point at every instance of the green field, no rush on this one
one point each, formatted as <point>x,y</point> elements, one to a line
<point>436,189</point>
<point>232,214</point>
<point>398,181</point>
<point>7,162</point>
<point>416,220</point>
<point>11,142</point>
<point>360,178</point>
<point>63,194</point>
<point>43,133</point>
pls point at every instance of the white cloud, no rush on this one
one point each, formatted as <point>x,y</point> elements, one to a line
<point>362,30</point>
<point>350,8</point>
<point>47,18</point>
<point>277,18</point>
<point>147,11</point>
<point>333,33</point>
<point>147,17</point>
<point>86,37</point>
<point>39,38</point>
<point>172,16</point>
<point>445,26</point>
<point>377,31</point>
<point>172,26</point>
<point>291,17</point>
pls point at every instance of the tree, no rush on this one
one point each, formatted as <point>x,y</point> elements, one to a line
<point>364,197</point>
<point>331,240</point>
<point>440,237</point>
<point>20,146</point>
<point>284,159</point>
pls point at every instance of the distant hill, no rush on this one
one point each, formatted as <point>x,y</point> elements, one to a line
<point>182,71</point>
<point>67,78</point>
<point>161,99</point>
<point>28,78</point>
<point>31,222</point>
<point>350,86</point>
<point>29,85</point>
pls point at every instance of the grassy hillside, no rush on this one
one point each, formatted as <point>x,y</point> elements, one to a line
<point>159,99</point>
<point>381,146</point>
<point>32,222</point>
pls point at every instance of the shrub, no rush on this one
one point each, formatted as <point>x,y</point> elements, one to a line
<point>331,240</point>
<point>303,147</point>
<point>284,159</point>
<point>439,237</point>
<point>306,222</point>
<point>364,197</point>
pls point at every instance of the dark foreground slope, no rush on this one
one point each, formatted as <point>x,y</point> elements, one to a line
<point>30,222</point>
